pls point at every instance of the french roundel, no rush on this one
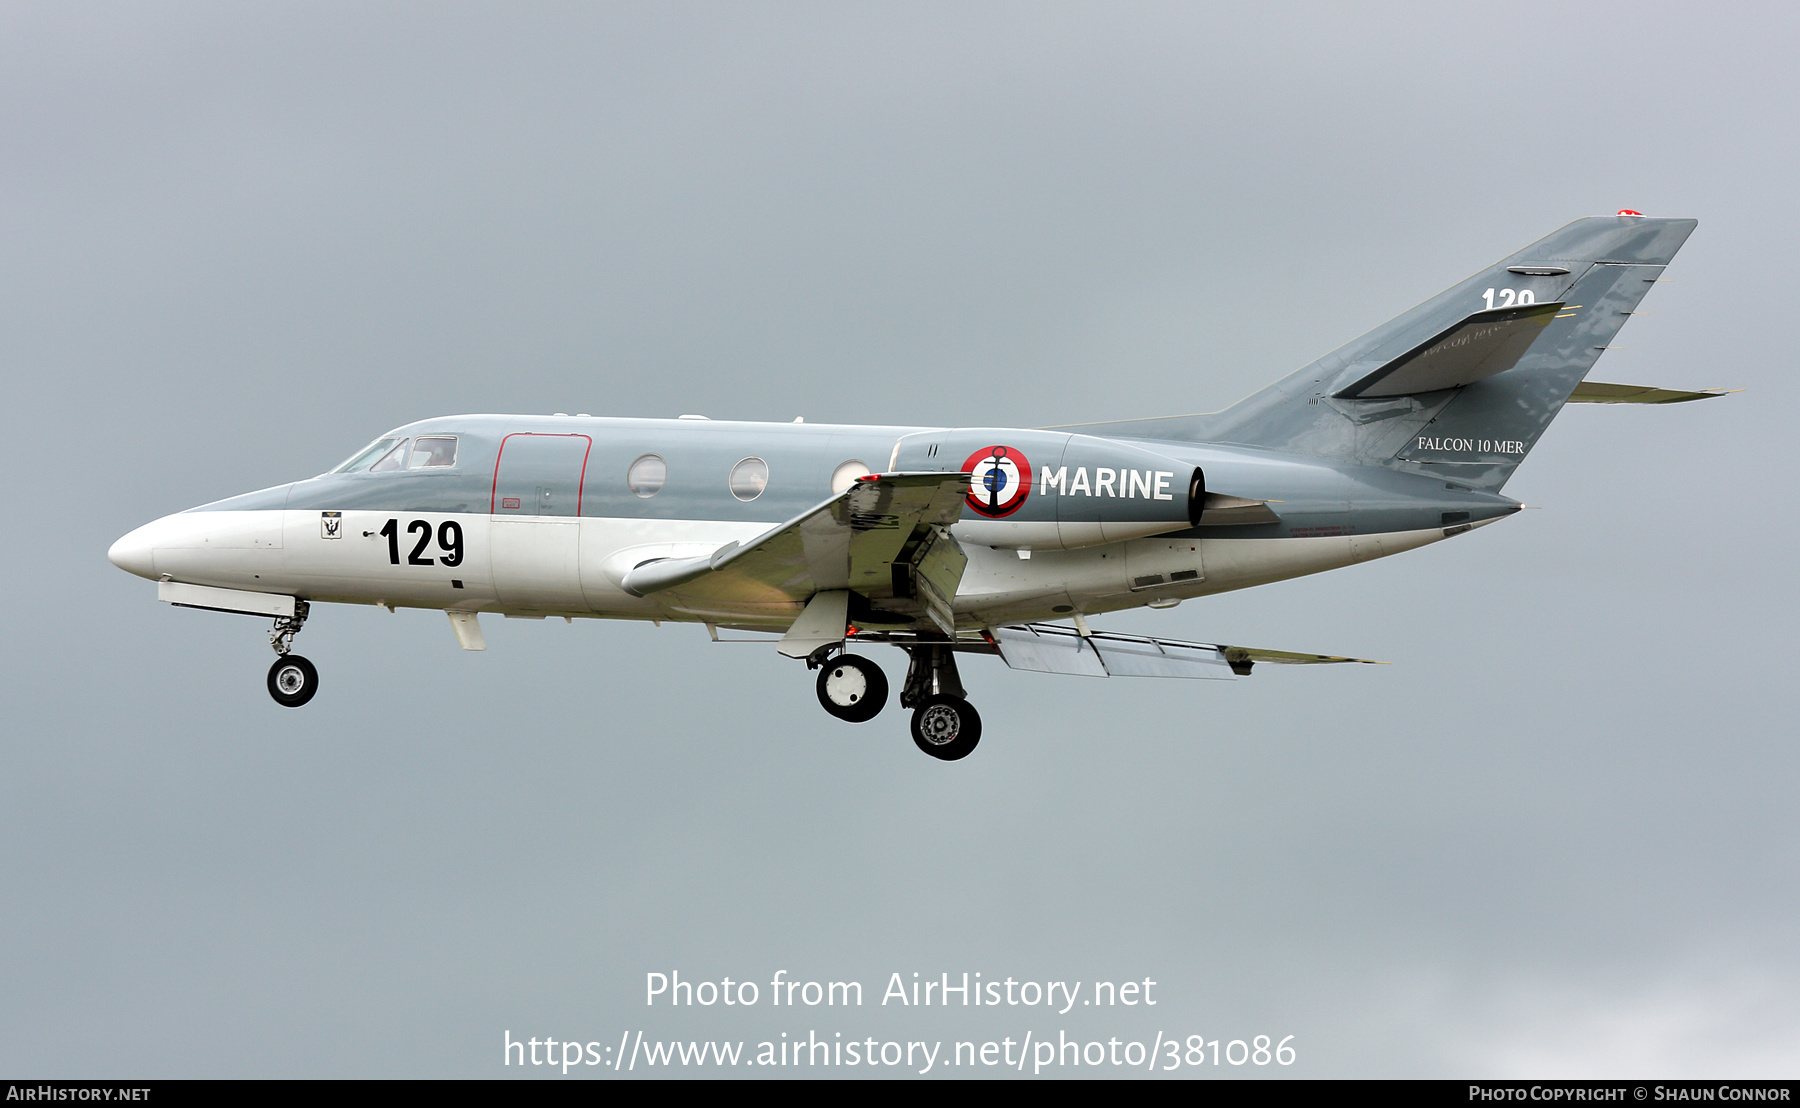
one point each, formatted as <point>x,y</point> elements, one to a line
<point>1001,480</point>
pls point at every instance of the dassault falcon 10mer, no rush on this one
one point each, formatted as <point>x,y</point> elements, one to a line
<point>941,541</point>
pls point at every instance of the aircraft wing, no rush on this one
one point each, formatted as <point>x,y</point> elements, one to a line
<point>1049,648</point>
<point>849,542</point>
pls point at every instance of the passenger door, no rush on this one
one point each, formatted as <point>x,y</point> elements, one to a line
<point>535,539</point>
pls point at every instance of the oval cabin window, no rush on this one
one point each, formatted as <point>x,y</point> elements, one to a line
<point>846,474</point>
<point>646,476</point>
<point>749,478</point>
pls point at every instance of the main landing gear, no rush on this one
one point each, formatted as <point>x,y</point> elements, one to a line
<point>852,688</point>
<point>944,724</point>
<point>946,727</point>
<point>292,679</point>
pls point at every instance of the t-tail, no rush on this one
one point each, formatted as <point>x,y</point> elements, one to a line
<point>1463,385</point>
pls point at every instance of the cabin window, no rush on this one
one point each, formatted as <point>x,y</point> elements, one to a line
<point>749,478</point>
<point>392,460</point>
<point>362,458</point>
<point>646,476</point>
<point>846,474</point>
<point>433,450</point>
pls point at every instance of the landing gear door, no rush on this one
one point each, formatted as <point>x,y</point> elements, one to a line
<point>937,573</point>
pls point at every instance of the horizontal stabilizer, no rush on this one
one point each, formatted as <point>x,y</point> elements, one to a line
<point>1594,392</point>
<point>1479,346</point>
<point>1049,648</point>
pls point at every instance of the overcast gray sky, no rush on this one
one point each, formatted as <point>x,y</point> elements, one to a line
<point>1557,837</point>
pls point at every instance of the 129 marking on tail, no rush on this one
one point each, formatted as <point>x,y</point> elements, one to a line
<point>1508,298</point>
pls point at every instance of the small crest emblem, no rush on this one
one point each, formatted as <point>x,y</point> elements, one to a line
<point>331,525</point>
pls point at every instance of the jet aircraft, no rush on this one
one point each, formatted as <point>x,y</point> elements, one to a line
<point>941,540</point>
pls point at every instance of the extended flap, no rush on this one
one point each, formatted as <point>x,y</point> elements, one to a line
<point>1052,648</point>
<point>1047,648</point>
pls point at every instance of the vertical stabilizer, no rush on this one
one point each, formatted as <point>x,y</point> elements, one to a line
<point>1464,384</point>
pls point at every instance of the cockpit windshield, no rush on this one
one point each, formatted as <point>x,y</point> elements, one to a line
<point>388,454</point>
<point>392,460</point>
<point>365,457</point>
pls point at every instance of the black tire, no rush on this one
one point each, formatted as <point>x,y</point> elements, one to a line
<point>946,727</point>
<point>292,681</point>
<point>852,688</point>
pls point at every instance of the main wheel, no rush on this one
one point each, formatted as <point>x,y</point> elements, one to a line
<point>852,688</point>
<point>292,681</point>
<point>946,727</point>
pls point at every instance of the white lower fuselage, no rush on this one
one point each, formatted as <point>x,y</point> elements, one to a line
<point>573,566</point>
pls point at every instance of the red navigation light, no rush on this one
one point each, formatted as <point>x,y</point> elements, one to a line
<point>1628,211</point>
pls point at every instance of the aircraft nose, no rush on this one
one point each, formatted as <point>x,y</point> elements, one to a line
<point>133,554</point>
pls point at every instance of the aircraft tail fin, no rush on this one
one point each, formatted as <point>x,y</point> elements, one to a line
<point>1463,385</point>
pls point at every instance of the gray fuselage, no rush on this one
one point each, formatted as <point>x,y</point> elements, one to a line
<point>537,515</point>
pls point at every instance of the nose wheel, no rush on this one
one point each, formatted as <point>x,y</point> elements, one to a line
<point>946,727</point>
<point>292,680</point>
<point>852,688</point>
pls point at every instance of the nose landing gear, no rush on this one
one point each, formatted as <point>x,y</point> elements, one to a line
<point>292,679</point>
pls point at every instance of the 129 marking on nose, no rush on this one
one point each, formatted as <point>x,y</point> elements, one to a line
<point>449,538</point>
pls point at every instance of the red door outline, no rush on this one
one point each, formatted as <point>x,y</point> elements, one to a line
<point>580,482</point>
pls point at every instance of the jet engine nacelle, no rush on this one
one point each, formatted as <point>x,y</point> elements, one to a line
<point>1050,490</point>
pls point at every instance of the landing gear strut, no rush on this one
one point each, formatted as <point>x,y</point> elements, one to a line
<point>292,679</point>
<point>944,724</point>
<point>852,688</point>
